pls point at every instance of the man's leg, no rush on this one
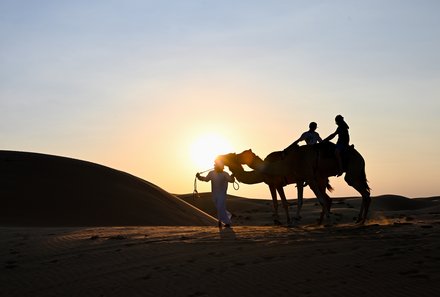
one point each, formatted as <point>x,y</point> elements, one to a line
<point>221,211</point>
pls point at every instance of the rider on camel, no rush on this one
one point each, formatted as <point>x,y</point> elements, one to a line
<point>342,144</point>
<point>310,137</point>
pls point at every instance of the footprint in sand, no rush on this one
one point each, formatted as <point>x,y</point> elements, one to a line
<point>146,277</point>
<point>216,254</point>
<point>197,294</point>
<point>13,252</point>
<point>11,264</point>
<point>267,258</point>
<point>426,226</point>
<point>414,273</point>
<point>118,237</point>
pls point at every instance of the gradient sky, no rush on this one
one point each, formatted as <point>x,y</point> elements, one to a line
<point>135,85</point>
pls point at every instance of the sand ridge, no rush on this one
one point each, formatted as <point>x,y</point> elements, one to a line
<point>51,191</point>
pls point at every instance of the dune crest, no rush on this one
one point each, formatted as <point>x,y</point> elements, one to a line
<point>45,190</point>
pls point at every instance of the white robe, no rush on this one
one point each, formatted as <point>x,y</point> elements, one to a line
<point>219,187</point>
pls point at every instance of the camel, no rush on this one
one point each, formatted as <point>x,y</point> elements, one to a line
<point>313,165</point>
<point>277,183</point>
<point>234,162</point>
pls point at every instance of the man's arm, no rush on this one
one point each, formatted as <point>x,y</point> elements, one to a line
<point>301,138</point>
<point>295,143</point>
<point>319,138</point>
<point>202,178</point>
<point>331,136</point>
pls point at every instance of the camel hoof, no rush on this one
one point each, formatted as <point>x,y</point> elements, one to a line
<point>359,220</point>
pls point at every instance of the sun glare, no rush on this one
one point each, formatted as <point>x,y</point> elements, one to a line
<point>206,148</point>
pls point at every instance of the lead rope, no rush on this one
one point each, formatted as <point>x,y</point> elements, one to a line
<point>236,185</point>
<point>195,192</point>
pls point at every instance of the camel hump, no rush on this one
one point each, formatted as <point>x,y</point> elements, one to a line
<point>274,156</point>
<point>326,149</point>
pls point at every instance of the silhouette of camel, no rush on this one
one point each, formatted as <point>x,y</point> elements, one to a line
<point>277,183</point>
<point>310,164</point>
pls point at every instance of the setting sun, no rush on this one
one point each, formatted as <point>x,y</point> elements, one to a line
<point>205,148</point>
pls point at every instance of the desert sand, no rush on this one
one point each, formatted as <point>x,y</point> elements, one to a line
<point>397,253</point>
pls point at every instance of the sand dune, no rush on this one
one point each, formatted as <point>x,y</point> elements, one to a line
<point>395,203</point>
<point>44,190</point>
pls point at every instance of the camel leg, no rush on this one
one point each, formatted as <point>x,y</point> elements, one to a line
<point>323,187</point>
<point>366,201</point>
<point>328,200</point>
<point>362,188</point>
<point>300,187</point>
<point>322,197</point>
<point>273,193</point>
<point>284,201</point>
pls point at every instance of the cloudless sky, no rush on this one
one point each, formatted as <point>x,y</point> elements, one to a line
<point>138,85</point>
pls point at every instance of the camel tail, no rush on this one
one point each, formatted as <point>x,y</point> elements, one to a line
<point>363,175</point>
<point>365,182</point>
<point>367,187</point>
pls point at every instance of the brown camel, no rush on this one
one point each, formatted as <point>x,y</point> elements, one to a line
<point>313,165</point>
<point>275,182</point>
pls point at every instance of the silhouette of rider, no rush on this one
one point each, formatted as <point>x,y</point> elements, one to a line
<point>343,140</point>
<point>310,137</point>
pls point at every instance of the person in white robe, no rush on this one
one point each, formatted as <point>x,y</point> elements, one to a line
<point>219,187</point>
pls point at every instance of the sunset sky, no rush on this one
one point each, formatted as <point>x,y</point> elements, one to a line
<point>147,87</point>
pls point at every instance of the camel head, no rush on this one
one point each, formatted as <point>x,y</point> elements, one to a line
<point>226,159</point>
<point>246,157</point>
<point>231,161</point>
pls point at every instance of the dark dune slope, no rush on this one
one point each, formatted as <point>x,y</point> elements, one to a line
<point>44,190</point>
